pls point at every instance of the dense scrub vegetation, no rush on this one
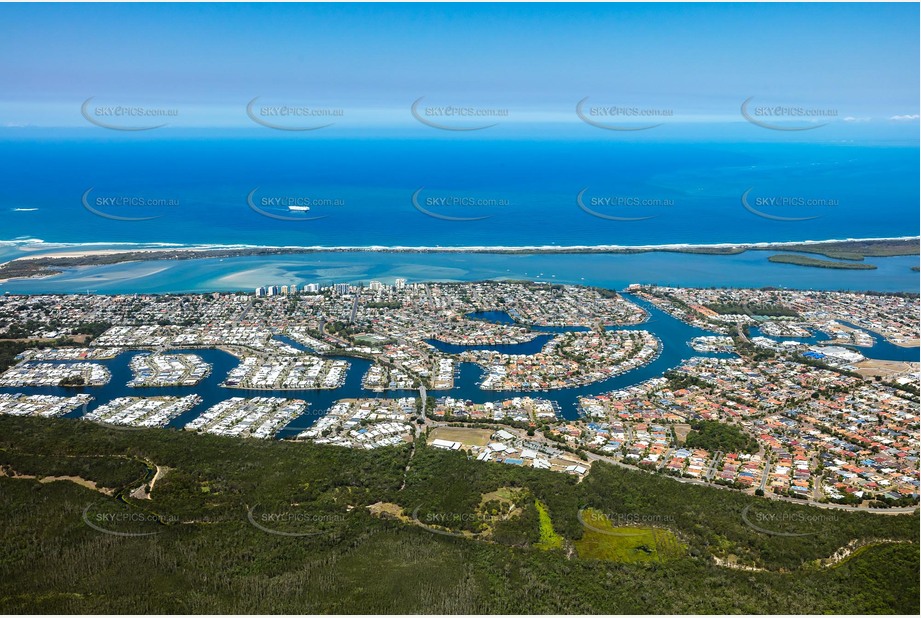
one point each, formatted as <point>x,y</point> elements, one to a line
<point>8,352</point>
<point>105,471</point>
<point>803,260</point>
<point>716,436</point>
<point>846,249</point>
<point>211,548</point>
<point>15,339</point>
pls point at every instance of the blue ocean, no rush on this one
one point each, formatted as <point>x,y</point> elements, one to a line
<point>449,191</point>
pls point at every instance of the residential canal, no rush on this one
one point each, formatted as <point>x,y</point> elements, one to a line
<point>672,333</point>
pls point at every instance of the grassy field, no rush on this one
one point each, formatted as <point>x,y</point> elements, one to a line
<point>886,369</point>
<point>681,432</point>
<point>503,494</point>
<point>465,435</point>
<point>602,540</point>
<point>549,539</point>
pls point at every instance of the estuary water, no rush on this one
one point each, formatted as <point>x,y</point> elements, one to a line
<point>613,271</point>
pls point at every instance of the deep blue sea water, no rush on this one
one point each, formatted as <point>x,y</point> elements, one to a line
<point>530,188</point>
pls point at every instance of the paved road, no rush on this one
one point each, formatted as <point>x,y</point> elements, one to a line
<point>741,332</point>
<point>354,308</point>
<point>423,395</point>
<point>418,432</point>
<point>817,492</point>
<point>666,457</point>
<point>764,475</point>
<point>712,469</point>
<point>428,295</point>
<point>240,317</point>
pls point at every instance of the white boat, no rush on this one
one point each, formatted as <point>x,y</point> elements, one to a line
<point>299,208</point>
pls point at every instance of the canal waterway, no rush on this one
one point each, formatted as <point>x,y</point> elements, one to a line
<point>673,334</point>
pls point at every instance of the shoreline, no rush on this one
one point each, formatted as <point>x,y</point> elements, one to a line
<point>841,254</point>
<point>73,250</point>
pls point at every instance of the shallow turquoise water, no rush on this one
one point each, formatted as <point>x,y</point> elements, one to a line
<point>750,269</point>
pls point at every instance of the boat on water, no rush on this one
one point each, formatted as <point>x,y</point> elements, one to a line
<point>298,208</point>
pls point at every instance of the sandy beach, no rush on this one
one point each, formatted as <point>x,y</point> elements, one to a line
<point>79,253</point>
<point>76,251</point>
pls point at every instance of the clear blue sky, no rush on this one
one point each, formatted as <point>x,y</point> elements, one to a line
<point>535,59</point>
